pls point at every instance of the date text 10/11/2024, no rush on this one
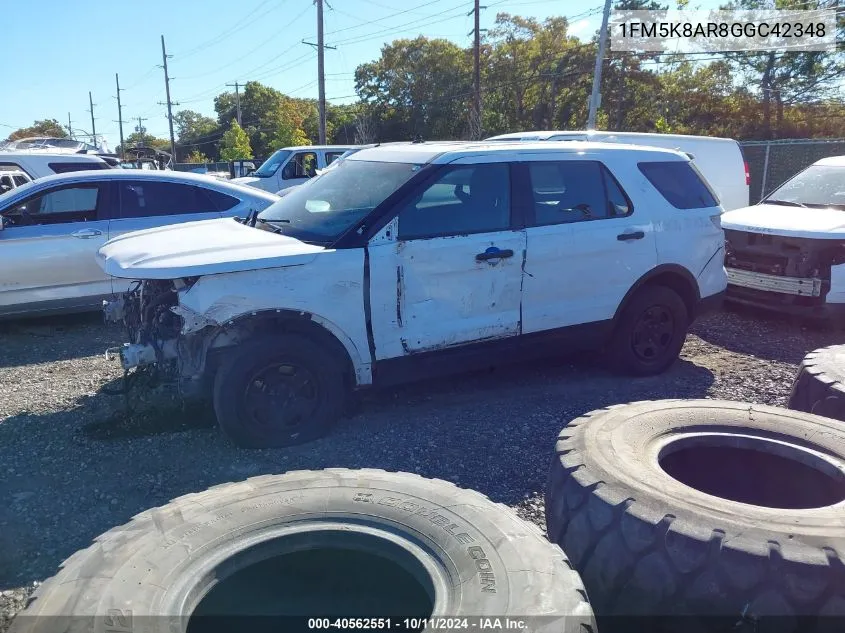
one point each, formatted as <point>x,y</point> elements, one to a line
<point>417,624</point>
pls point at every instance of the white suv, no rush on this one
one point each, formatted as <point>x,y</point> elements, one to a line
<point>418,259</point>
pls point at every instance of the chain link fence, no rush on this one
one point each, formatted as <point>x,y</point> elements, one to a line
<point>773,162</point>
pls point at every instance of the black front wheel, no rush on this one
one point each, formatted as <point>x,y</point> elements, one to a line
<point>650,332</point>
<point>278,392</point>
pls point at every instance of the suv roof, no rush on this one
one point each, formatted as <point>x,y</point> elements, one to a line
<point>832,161</point>
<point>448,151</point>
<point>544,135</point>
<point>57,156</point>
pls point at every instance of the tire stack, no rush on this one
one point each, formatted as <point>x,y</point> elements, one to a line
<point>724,515</point>
<point>819,386</point>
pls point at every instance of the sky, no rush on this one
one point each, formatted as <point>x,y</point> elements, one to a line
<point>214,43</point>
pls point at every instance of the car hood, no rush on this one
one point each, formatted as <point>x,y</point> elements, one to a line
<point>193,249</point>
<point>776,219</point>
<point>246,180</point>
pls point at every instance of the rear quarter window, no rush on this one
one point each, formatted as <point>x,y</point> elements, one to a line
<point>63,168</point>
<point>680,184</point>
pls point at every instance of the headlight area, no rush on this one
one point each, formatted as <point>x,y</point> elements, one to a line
<point>146,312</point>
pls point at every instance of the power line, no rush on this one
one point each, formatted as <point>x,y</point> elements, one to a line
<point>382,19</point>
<point>235,28</point>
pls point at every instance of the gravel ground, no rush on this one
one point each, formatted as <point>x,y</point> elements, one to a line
<point>73,464</point>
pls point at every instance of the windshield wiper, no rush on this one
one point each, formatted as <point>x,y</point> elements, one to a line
<point>786,203</point>
<point>270,224</point>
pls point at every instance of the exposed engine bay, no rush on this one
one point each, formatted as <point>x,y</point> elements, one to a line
<point>787,269</point>
<point>152,328</point>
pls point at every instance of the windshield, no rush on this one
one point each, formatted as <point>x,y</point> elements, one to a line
<point>272,164</point>
<point>816,186</point>
<point>334,201</point>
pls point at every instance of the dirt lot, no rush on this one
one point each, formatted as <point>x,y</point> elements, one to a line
<point>73,464</point>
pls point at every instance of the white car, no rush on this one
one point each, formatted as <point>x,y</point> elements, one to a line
<point>11,179</point>
<point>39,163</point>
<point>422,259</point>
<point>787,252</point>
<point>52,228</point>
<point>720,160</point>
<point>292,166</point>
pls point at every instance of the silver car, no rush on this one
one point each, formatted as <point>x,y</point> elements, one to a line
<point>53,227</point>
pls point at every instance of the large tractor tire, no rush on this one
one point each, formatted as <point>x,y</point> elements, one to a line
<point>722,513</point>
<point>361,544</point>
<point>819,386</point>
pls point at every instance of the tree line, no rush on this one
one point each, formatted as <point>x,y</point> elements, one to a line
<point>534,75</point>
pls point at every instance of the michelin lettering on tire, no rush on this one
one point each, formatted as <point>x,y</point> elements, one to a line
<point>475,557</point>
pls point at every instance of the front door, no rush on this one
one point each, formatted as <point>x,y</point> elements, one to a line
<point>48,249</point>
<point>299,168</point>
<point>448,270</point>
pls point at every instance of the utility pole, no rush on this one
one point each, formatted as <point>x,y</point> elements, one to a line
<point>119,116</point>
<point>141,129</point>
<point>476,69</point>
<point>93,126</point>
<point>595,95</point>
<point>164,57</point>
<point>321,74</point>
<point>237,101</point>
<point>69,126</point>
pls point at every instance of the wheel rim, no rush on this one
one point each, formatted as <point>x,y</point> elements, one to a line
<point>653,333</point>
<point>282,396</point>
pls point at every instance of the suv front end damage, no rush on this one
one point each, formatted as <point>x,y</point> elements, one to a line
<point>160,332</point>
<point>796,275</point>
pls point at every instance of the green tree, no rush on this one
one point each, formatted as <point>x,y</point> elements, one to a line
<point>45,127</point>
<point>196,132</point>
<point>235,143</point>
<point>196,157</point>
<point>135,139</point>
<point>418,87</point>
<point>270,118</point>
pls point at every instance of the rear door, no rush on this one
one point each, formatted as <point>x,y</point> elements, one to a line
<point>587,243</point>
<point>149,203</point>
<point>48,248</point>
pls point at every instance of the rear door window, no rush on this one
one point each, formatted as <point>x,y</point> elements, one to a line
<point>141,199</point>
<point>680,184</point>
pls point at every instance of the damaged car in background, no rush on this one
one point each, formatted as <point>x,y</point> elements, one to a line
<point>420,260</point>
<point>787,253</point>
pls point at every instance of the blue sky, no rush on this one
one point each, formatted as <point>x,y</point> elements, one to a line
<point>213,42</point>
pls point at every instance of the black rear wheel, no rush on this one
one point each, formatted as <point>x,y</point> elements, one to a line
<point>278,392</point>
<point>650,332</point>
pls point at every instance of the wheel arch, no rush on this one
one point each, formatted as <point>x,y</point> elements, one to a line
<point>321,330</point>
<point>672,276</point>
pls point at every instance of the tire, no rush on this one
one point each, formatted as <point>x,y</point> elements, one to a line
<point>647,544</point>
<point>819,386</point>
<point>474,557</point>
<point>249,369</point>
<point>668,308</point>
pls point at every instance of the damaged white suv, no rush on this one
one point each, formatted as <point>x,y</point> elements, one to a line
<point>420,259</point>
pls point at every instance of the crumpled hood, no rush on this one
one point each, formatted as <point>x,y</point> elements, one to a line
<point>775,219</point>
<point>193,249</point>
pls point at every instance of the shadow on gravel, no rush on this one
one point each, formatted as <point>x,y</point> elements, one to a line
<point>765,334</point>
<point>61,484</point>
<point>54,338</point>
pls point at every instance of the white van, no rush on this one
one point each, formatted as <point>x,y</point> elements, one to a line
<point>37,163</point>
<point>291,166</point>
<point>720,160</point>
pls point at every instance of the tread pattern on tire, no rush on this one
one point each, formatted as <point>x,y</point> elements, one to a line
<point>578,599</point>
<point>637,560</point>
<point>819,386</point>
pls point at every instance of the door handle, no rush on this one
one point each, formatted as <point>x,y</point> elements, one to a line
<point>493,253</point>
<point>635,235</point>
<point>86,233</point>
